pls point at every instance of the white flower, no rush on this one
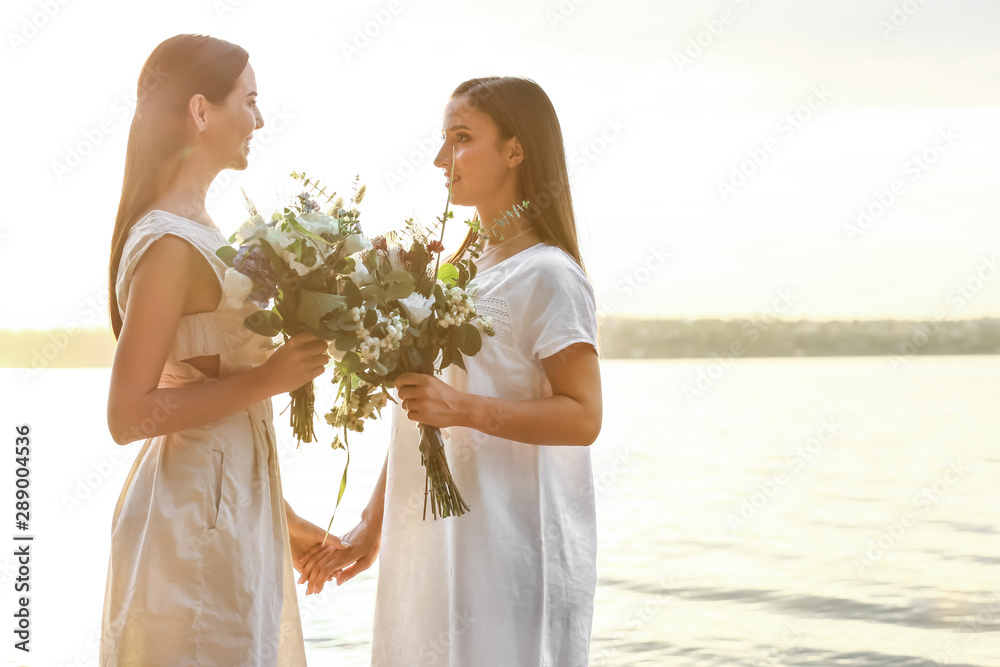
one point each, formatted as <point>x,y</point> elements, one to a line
<point>395,259</point>
<point>485,325</point>
<point>298,267</point>
<point>356,243</point>
<point>360,276</point>
<point>279,238</point>
<point>253,227</point>
<point>417,307</point>
<point>236,287</point>
<point>317,223</point>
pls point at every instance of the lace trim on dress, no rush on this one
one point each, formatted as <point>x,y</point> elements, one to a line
<point>497,309</point>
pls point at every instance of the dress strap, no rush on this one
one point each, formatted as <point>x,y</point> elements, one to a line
<point>152,227</point>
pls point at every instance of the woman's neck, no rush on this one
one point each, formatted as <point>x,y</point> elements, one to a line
<point>186,194</point>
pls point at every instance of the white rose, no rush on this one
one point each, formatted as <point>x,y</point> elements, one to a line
<point>356,243</point>
<point>417,307</point>
<point>280,240</point>
<point>236,287</point>
<point>253,227</point>
<point>317,222</point>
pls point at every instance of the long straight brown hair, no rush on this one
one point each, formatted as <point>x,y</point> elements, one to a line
<point>520,108</point>
<point>158,139</point>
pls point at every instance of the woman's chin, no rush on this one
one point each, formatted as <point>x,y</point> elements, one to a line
<point>238,163</point>
<point>458,199</point>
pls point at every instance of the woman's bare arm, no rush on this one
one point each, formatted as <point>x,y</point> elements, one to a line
<point>137,408</point>
<point>571,416</point>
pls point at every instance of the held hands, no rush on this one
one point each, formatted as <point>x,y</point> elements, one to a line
<point>431,401</point>
<point>322,563</point>
<point>300,360</point>
<point>305,538</point>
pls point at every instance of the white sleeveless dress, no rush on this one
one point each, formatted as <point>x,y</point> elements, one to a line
<point>200,570</point>
<point>512,582</point>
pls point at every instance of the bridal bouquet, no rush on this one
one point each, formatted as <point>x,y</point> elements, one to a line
<point>302,259</point>
<point>408,312</point>
<point>387,306</point>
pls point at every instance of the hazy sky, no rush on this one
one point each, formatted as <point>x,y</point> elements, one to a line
<point>719,151</point>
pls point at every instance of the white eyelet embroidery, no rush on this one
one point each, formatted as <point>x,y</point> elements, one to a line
<point>497,309</point>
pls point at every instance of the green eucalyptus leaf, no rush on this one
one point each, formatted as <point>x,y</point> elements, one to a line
<point>399,276</point>
<point>294,224</point>
<point>261,322</point>
<point>314,306</point>
<point>350,363</point>
<point>472,341</point>
<point>353,294</point>
<point>227,254</point>
<point>346,341</point>
<point>374,292</point>
<point>397,291</point>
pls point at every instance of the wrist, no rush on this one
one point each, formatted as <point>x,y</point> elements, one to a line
<point>372,516</point>
<point>293,520</point>
<point>262,377</point>
<point>472,412</point>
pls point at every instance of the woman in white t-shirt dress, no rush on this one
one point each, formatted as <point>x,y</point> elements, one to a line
<point>511,583</point>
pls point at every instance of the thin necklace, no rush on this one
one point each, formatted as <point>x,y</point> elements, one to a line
<point>494,246</point>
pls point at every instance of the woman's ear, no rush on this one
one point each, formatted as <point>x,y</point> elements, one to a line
<point>516,154</point>
<point>197,109</point>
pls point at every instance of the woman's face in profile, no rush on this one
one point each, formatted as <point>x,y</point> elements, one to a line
<point>229,126</point>
<point>480,166</point>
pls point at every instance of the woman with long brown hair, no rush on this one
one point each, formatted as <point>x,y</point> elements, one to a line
<point>511,582</point>
<point>202,540</point>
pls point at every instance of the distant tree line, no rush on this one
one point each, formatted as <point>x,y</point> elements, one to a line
<point>625,338</point>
